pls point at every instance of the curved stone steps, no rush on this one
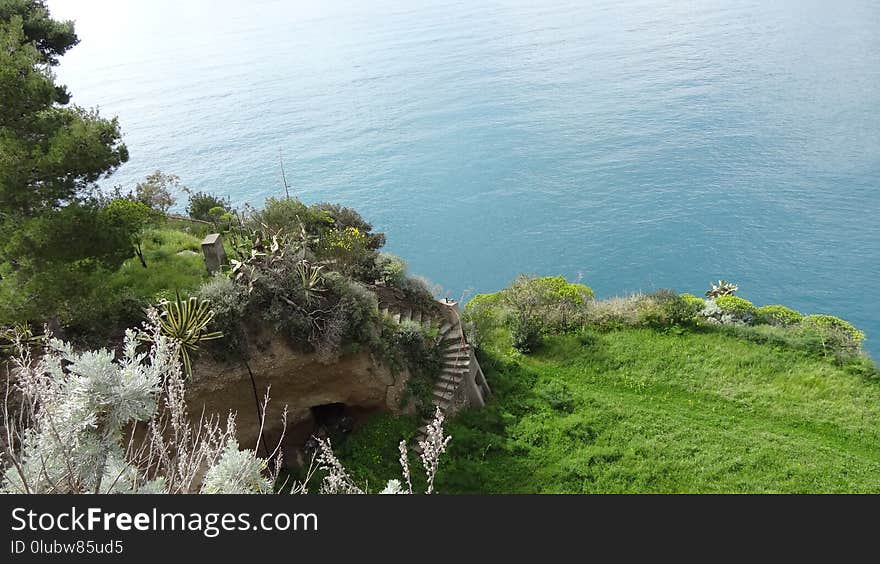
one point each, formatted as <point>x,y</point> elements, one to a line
<point>456,355</point>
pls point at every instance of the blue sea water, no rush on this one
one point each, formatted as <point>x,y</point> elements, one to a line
<point>642,144</point>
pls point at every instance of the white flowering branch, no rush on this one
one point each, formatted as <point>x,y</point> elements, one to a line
<point>338,480</point>
<point>433,447</point>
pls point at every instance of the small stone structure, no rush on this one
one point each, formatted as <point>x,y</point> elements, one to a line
<point>215,254</point>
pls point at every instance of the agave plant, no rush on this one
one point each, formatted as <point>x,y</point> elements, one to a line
<point>15,337</point>
<point>723,288</point>
<point>311,279</point>
<point>186,322</point>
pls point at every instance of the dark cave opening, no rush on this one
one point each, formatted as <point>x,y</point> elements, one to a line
<point>332,421</point>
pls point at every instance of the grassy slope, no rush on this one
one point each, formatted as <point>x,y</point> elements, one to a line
<point>641,411</point>
<point>166,270</point>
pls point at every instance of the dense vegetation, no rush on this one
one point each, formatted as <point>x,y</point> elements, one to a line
<point>664,392</point>
<point>640,394</point>
<point>55,231</point>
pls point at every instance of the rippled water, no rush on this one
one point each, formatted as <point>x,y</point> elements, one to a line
<point>643,144</point>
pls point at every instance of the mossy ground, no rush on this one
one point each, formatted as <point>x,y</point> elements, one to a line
<point>639,410</point>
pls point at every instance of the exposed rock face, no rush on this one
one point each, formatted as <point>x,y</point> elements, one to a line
<point>296,380</point>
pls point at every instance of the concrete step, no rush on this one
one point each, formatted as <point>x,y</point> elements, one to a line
<point>460,360</point>
<point>455,353</point>
<point>447,383</point>
<point>454,333</point>
<point>445,327</point>
<point>444,394</point>
<point>443,404</point>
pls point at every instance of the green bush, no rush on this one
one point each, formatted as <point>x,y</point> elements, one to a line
<point>417,291</point>
<point>424,361</point>
<point>548,303</point>
<point>351,318</point>
<point>778,315</point>
<point>736,306</point>
<point>696,303</point>
<point>824,342</point>
<point>652,313</point>
<point>289,215</point>
<point>391,269</point>
<point>480,317</point>
<point>828,324</point>
<point>329,232</point>
<point>201,204</point>
<point>677,309</point>
<point>348,251</point>
<point>526,335</point>
<point>228,302</point>
<point>342,218</point>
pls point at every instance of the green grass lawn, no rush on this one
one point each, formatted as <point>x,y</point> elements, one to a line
<point>637,410</point>
<point>167,270</point>
<point>116,300</point>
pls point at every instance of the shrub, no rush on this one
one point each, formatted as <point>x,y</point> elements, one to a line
<point>341,218</point>
<point>828,325</point>
<point>351,312</point>
<point>778,315</point>
<point>678,309</point>
<point>736,306</point>
<point>391,269</point>
<point>128,219</point>
<point>652,313</point>
<point>694,302</point>
<point>228,302</point>
<point>290,216</point>
<point>614,313</point>
<point>349,252</point>
<point>526,335</point>
<point>480,317</point>
<point>201,204</point>
<point>549,302</point>
<point>157,190</point>
<point>424,360</point>
<point>829,343</point>
<point>326,232</point>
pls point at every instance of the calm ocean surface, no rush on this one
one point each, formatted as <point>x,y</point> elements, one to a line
<point>642,144</point>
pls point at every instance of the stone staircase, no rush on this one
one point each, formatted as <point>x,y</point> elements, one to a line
<point>461,382</point>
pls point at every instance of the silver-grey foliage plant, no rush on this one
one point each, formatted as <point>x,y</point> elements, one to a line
<point>98,422</point>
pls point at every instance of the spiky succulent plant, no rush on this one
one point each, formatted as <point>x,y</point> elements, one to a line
<point>186,322</point>
<point>722,288</point>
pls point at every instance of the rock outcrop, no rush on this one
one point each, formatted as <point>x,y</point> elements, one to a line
<point>296,381</point>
